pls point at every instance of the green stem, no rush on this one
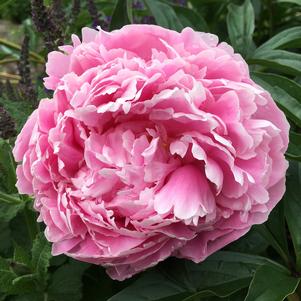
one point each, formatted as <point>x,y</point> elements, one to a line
<point>9,76</point>
<point>8,61</point>
<point>16,60</point>
<point>12,45</point>
<point>45,297</point>
<point>9,199</point>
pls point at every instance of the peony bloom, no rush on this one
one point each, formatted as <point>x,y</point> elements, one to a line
<point>155,144</point>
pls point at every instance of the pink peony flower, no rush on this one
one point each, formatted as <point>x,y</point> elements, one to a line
<point>155,144</point>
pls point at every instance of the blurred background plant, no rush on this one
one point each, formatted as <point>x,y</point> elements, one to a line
<point>265,265</point>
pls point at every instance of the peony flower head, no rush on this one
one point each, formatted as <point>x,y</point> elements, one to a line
<point>155,144</point>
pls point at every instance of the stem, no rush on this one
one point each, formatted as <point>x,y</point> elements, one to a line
<point>9,76</point>
<point>8,61</point>
<point>15,60</point>
<point>12,45</point>
<point>9,199</point>
<point>12,81</point>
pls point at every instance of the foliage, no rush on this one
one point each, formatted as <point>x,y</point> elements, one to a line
<point>264,265</point>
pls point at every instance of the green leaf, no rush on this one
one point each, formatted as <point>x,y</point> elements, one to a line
<point>153,285</point>
<point>122,14</point>
<point>11,199</point>
<point>252,243</point>
<point>190,18</point>
<point>276,226</point>
<point>240,24</point>
<point>164,14</point>
<point>224,290</point>
<point>66,284</point>
<point>58,260</point>
<point>129,9</point>
<point>23,284</point>
<point>223,266</point>
<point>274,232</point>
<point>298,2</point>
<point>40,258</point>
<point>294,147</point>
<point>92,288</point>
<point>9,206</point>
<point>6,239</point>
<point>7,168</point>
<point>2,296</point>
<point>237,296</point>
<point>37,296</point>
<point>4,3</point>
<point>21,255</point>
<point>221,274</point>
<point>19,231</point>
<point>284,91</point>
<point>292,207</point>
<point>271,284</point>
<point>287,38</point>
<point>7,275</point>
<point>282,60</point>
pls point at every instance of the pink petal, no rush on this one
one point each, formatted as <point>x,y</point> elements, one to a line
<point>186,192</point>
